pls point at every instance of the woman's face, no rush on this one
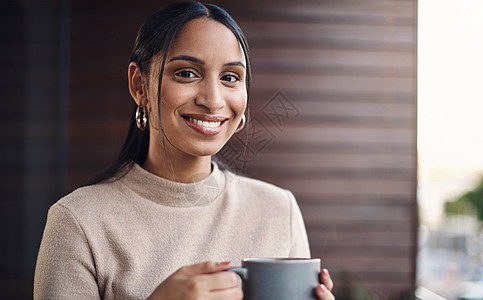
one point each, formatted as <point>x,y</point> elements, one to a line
<point>203,92</point>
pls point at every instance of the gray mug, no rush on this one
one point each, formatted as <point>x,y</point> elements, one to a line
<point>279,278</point>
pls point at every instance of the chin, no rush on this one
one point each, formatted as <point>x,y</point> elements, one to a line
<point>204,148</point>
<point>205,151</point>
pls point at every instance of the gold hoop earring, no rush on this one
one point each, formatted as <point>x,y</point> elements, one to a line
<point>141,118</point>
<point>242,123</point>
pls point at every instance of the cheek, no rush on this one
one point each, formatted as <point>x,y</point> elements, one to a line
<point>175,95</point>
<point>239,102</point>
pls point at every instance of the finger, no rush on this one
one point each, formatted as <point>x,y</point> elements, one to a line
<point>220,281</point>
<point>235,293</point>
<point>323,293</point>
<point>204,268</point>
<point>326,280</point>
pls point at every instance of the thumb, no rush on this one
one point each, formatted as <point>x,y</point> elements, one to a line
<point>205,268</point>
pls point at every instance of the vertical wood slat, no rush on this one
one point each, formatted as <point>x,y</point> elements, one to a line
<point>349,155</point>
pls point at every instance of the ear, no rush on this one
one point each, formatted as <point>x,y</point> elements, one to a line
<point>137,84</point>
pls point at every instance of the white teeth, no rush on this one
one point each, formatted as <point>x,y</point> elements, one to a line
<point>204,123</point>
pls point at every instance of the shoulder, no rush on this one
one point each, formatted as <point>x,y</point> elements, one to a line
<point>262,192</point>
<point>90,199</point>
<point>260,186</point>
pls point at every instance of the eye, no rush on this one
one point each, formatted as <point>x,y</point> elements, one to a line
<point>230,78</point>
<point>186,74</point>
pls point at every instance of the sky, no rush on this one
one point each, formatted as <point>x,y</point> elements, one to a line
<point>450,100</point>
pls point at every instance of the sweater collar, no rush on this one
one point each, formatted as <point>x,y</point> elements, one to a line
<point>176,194</point>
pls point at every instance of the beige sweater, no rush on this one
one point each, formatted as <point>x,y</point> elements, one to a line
<point>119,240</point>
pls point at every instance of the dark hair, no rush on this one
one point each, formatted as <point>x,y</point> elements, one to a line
<point>155,37</point>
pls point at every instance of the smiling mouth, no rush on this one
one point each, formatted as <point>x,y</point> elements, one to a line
<point>205,123</point>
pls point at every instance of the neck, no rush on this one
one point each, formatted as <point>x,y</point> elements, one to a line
<point>179,168</point>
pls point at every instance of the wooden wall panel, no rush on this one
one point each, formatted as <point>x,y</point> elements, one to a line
<point>347,149</point>
<point>349,155</point>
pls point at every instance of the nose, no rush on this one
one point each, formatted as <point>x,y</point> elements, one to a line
<point>210,95</point>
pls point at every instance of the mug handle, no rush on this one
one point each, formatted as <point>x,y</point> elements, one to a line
<point>241,271</point>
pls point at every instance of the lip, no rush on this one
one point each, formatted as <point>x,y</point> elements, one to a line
<point>205,130</point>
<point>207,118</point>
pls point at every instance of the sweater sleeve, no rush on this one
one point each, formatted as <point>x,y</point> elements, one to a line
<point>300,244</point>
<point>65,267</point>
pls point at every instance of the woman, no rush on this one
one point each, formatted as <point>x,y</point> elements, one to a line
<point>165,221</point>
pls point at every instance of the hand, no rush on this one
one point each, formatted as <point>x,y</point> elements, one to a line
<point>200,281</point>
<point>323,290</point>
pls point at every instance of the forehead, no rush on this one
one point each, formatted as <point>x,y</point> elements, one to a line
<point>206,39</point>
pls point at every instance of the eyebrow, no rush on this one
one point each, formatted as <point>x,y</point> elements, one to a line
<point>202,62</point>
<point>188,58</point>
<point>235,63</point>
